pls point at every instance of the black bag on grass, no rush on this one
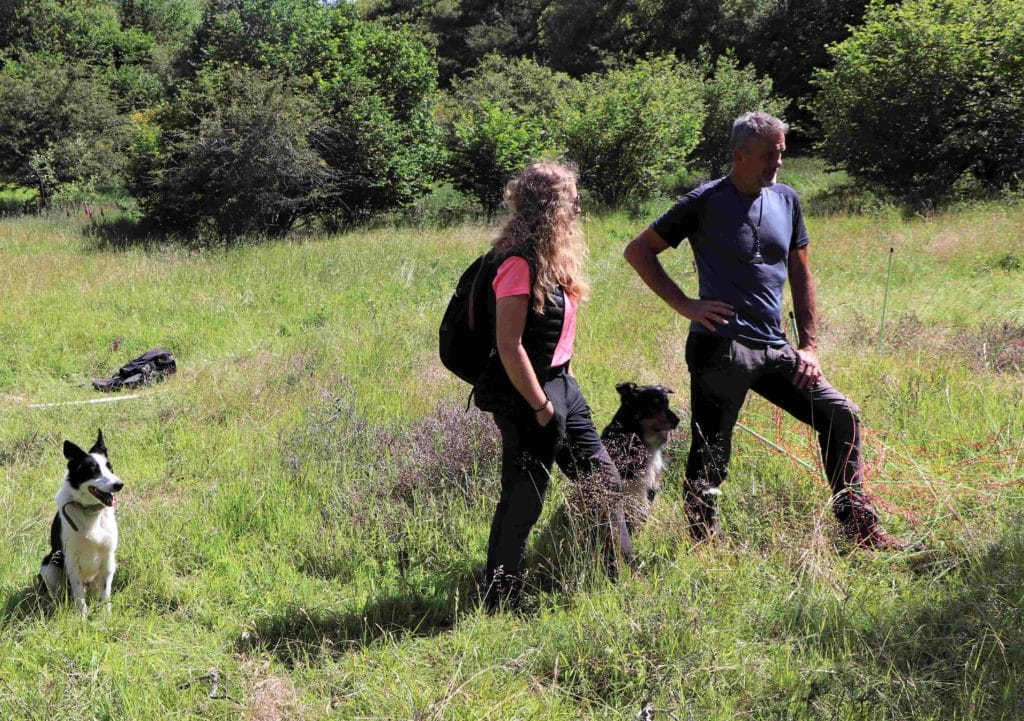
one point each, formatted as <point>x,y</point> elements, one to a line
<point>152,366</point>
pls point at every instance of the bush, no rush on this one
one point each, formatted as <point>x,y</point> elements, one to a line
<point>488,146</point>
<point>496,121</point>
<point>626,129</point>
<point>245,167</point>
<point>443,207</point>
<point>58,125</point>
<point>729,91</point>
<point>360,134</point>
<point>925,93</point>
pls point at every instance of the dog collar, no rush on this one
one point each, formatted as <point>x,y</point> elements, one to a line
<point>88,510</point>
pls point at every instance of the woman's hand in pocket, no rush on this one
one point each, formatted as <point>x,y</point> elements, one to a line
<point>545,415</point>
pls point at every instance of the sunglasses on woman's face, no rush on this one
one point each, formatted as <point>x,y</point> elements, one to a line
<point>576,204</point>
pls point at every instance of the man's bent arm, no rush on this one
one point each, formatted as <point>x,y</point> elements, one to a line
<point>808,368</point>
<point>642,253</point>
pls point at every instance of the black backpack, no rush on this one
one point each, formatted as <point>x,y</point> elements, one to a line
<point>466,336</point>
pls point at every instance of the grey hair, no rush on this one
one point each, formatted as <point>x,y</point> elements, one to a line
<point>756,124</point>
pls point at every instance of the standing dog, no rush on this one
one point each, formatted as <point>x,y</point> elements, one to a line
<point>635,437</point>
<point>83,536</point>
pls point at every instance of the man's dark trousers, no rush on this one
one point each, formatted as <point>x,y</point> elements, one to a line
<point>722,370</point>
<point>528,453</point>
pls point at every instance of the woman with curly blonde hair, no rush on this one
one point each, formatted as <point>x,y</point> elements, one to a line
<point>529,385</point>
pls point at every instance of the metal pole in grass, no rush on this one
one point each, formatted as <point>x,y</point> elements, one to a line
<point>777,447</point>
<point>885,298</point>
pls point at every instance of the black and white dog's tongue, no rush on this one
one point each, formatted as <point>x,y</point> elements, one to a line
<point>107,499</point>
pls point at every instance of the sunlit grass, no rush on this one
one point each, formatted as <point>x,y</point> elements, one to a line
<point>307,507</point>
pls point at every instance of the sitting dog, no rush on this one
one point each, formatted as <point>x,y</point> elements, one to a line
<point>635,437</point>
<point>83,536</point>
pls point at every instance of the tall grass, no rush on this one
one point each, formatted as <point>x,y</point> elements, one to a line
<point>307,505</point>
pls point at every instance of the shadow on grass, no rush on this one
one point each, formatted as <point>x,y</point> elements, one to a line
<point>34,602</point>
<point>125,233</point>
<point>958,653</point>
<point>568,555</point>
<point>301,635</point>
<point>29,603</point>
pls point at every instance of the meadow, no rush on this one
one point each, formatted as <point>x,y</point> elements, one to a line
<point>307,501</point>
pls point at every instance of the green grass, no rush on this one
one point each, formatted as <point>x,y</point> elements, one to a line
<point>307,504</point>
<point>15,198</point>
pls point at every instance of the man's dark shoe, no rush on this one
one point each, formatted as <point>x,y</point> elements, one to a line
<point>859,522</point>
<point>702,509</point>
<point>877,539</point>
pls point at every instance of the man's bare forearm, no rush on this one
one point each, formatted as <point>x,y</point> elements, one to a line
<point>644,260</point>
<point>804,304</point>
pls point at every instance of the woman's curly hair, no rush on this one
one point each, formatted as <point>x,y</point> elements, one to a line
<point>543,228</point>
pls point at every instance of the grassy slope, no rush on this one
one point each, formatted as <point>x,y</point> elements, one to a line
<point>305,515</point>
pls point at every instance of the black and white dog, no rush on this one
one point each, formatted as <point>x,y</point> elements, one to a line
<point>635,437</point>
<point>83,536</point>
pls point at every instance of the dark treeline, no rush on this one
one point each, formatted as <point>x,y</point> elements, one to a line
<point>252,116</point>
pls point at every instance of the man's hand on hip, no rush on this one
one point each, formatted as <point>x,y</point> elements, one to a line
<point>709,313</point>
<point>808,368</point>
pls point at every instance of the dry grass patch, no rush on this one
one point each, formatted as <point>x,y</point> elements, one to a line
<point>268,696</point>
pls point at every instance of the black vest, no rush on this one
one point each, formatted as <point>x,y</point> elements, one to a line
<point>494,391</point>
<point>542,333</point>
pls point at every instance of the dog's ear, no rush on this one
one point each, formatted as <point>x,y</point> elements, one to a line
<point>72,452</point>
<point>626,389</point>
<point>665,389</point>
<point>99,446</point>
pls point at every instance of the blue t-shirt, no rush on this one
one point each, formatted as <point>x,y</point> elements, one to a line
<point>719,222</point>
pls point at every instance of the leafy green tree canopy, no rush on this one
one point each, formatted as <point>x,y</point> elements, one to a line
<point>626,129</point>
<point>926,93</point>
<point>369,91</point>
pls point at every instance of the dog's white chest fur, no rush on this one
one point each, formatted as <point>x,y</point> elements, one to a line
<point>92,547</point>
<point>652,471</point>
<point>642,489</point>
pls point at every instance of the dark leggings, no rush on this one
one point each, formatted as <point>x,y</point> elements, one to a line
<point>528,454</point>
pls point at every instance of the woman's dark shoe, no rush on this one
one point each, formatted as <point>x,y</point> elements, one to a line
<point>503,591</point>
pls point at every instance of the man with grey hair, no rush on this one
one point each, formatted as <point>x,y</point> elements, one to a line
<point>748,237</point>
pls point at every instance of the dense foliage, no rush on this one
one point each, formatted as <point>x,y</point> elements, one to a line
<point>162,98</point>
<point>244,165</point>
<point>59,125</point>
<point>500,117</point>
<point>627,128</point>
<point>783,40</point>
<point>341,107</point>
<point>927,93</point>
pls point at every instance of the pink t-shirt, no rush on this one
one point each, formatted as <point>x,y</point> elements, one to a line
<point>513,278</point>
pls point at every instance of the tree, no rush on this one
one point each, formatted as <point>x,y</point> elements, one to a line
<point>497,120</point>
<point>629,127</point>
<point>367,91</point>
<point>245,167</point>
<point>463,32</point>
<point>58,125</point>
<point>926,93</point>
